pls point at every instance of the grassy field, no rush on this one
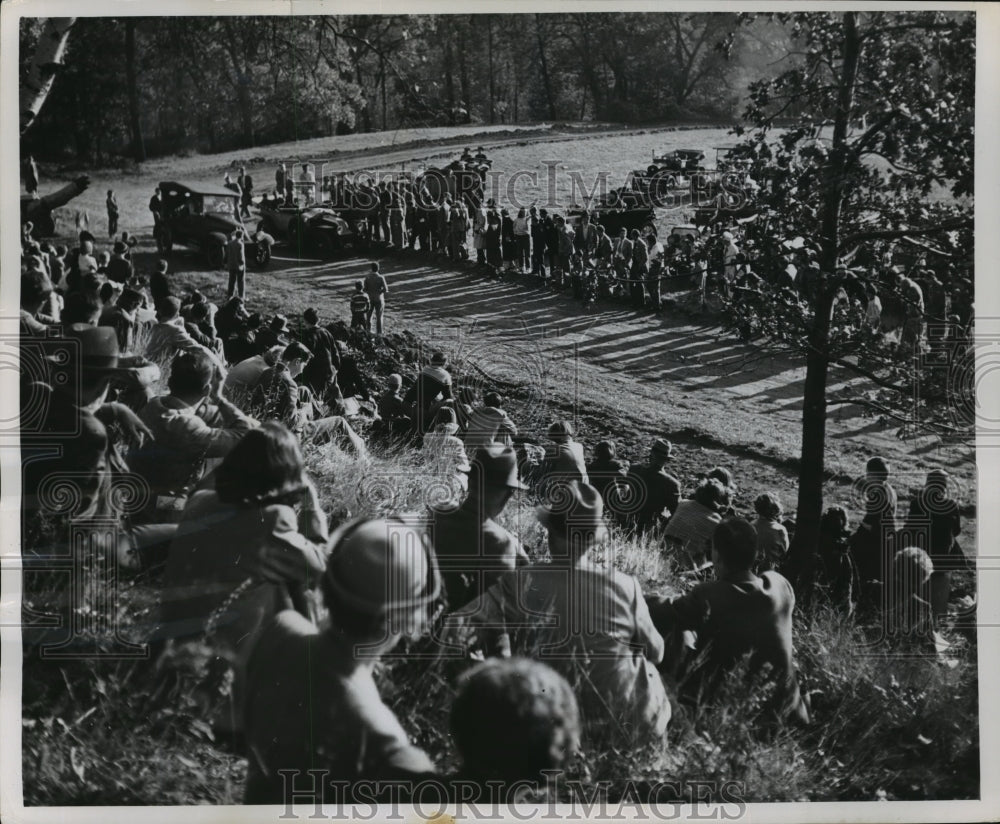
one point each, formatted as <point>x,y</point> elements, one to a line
<point>122,733</point>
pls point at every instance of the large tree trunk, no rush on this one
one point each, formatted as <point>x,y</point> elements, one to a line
<point>48,57</point>
<point>138,147</point>
<point>489,53</point>
<point>546,81</point>
<point>812,464</point>
<point>449,74</point>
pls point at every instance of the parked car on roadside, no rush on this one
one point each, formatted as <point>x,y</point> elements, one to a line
<point>203,216</point>
<point>318,228</point>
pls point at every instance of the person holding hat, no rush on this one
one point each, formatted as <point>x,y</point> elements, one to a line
<point>739,614</point>
<point>312,702</point>
<point>472,548</point>
<point>489,424</point>
<point>236,260</point>
<point>564,457</point>
<point>589,622</point>
<point>652,490</point>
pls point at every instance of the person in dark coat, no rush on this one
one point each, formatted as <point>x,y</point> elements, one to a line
<point>321,370</point>
<point>873,544</point>
<point>736,615</point>
<point>473,551</point>
<point>652,490</point>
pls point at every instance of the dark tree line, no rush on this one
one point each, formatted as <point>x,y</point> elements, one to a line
<point>139,87</point>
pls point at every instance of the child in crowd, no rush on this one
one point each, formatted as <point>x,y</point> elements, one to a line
<point>312,703</point>
<point>511,720</point>
<point>360,304</point>
<point>735,615</point>
<point>772,537</point>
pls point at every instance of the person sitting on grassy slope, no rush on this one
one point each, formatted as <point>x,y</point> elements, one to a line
<point>312,703</point>
<point>243,551</point>
<point>589,622</point>
<point>689,531</point>
<point>737,615</point>
<point>474,550</point>
<point>511,720</point>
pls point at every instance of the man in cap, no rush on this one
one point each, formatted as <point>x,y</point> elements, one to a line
<point>312,703</point>
<point>652,490</point>
<point>588,621</point>
<point>472,549</point>
<point>275,333</point>
<point>321,371</point>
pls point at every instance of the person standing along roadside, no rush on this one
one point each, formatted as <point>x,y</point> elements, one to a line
<point>237,259</point>
<point>376,288</point>
<point>112,205</point>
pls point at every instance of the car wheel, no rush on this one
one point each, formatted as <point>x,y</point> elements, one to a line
<point>164,241</point>
<point>216,256</point>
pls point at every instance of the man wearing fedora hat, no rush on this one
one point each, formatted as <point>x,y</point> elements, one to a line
<point>119,268</point>
<point>312,703</point>
<point>588,621</point>
<point>652,490</point>
<point>472,548</point>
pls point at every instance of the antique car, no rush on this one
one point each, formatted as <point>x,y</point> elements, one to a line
<point>319,228</point>
<point>669,171</point>
<point>203,216</point>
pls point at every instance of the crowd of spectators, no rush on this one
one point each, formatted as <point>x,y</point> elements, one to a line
<point>212,406</point>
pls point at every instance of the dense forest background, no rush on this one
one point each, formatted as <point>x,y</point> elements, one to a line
<point>140,87</point>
